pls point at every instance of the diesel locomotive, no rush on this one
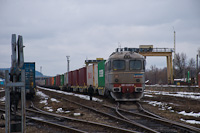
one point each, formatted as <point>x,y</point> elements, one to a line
<point>120,77</point>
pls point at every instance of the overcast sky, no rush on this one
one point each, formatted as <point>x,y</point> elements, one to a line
<point>52,29</point>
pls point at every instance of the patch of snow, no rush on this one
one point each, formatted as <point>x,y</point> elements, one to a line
<point>191,95</point>
<point>148,95</point>
<point>161,106</point>
<point>59,110</point>
<point>164,106</point>
<point>41,94</point>
<point>86,97</point>
<point>3,99</point>
<point>67,112</point>
<point>44,101</point>
<point>191,121</point>
<point>54,100</point>
<point>77,114</point>
<point>189,114</point>
<point>49,109</point>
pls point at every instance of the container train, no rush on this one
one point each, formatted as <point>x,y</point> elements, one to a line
<point>121,77</point>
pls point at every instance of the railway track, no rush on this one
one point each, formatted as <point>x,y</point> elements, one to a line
<point>132,120</point>
<point>153,121</point>
<point>144,122</point>
<point>56,120</point>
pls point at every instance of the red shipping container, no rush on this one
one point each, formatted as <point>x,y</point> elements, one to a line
<point>58,80</point>
<point>75,78</point>
<point>82,77</point>
<point>70,78</point>
<point>50,80</point>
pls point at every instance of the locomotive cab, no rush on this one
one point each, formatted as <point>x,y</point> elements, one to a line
<point>124,76</point>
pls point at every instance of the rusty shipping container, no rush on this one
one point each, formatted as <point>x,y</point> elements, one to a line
<point>75,78</point>
<point>58,80</point>
<point>70,78</point>
<point>82,77</point>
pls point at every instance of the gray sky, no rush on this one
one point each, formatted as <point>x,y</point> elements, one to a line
<point>52,29</point>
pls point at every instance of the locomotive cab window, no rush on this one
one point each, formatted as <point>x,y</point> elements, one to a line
<point>135,65</point>
<point>118,65</point>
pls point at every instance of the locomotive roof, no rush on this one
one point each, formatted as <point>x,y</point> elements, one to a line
<point>124,54</point>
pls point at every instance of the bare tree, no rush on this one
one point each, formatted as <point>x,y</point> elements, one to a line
<point>156,76</point>
<point>191,67</point>
<point>180,65</point>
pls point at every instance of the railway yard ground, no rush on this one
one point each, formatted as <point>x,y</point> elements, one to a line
<point>182,107</point>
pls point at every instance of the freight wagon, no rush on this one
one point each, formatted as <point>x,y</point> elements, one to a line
<point>120,77</point>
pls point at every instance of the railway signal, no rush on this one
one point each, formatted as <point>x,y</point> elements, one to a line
<point>15,83</point>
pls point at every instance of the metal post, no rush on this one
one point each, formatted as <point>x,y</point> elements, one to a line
<point>23,103</point>
<point>174,43</point>
<point>197,69</point>
<point>68,63</point>
<point>7,91</point>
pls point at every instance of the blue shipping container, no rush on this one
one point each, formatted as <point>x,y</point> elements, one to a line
<point>29,77</point>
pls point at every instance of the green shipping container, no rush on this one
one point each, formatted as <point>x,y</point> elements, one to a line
<point>62,79</point>
<point>101,74</point>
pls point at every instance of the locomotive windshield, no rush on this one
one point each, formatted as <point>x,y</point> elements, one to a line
<point>118,64</point>
<point>135,65</point>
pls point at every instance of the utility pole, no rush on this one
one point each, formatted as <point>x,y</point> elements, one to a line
<point>174,43</point>
<point>67,63</point>
<point>174,53</point>
<point>197,69</point>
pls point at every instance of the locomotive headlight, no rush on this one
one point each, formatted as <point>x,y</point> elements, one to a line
<point>116,80</point>
<point>137,80</point>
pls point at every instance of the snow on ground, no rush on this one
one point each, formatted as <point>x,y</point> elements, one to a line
<point>54,100</point>
<point>41,94</point>
<point>3,99</point>
<point>191,95</point>
<point>161,106</point>
<point>191,121</point>
<point>60,110</point>
<point>44,101</point>
<point>86,97</point>
<point>49,109</point>
<point>189,114</point>
<point>165,106</point>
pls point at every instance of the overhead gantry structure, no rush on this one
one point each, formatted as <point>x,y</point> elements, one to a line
<point>167,52</point>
